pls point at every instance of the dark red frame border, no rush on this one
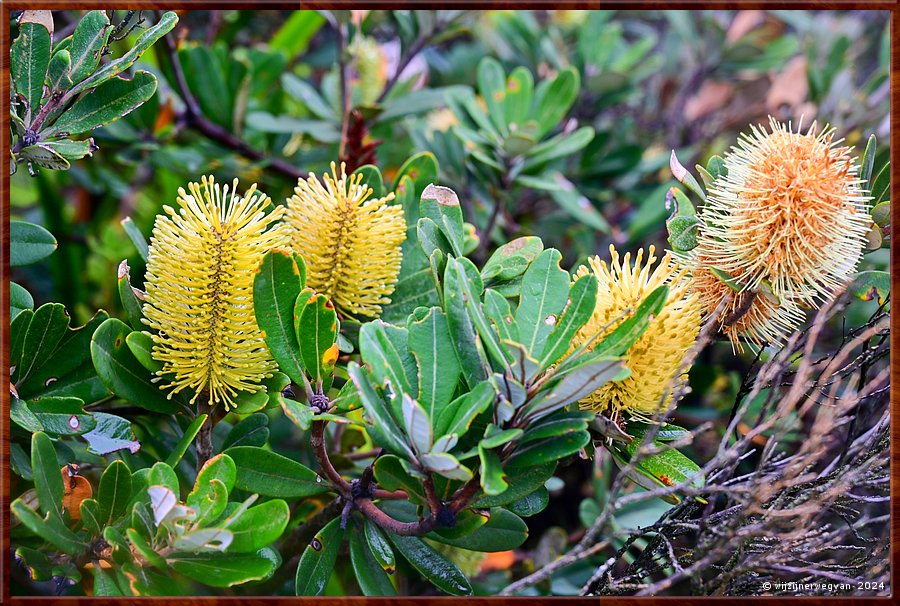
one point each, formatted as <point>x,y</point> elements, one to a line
<point>9,5</point>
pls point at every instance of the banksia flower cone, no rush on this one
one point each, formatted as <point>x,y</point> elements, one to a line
<point>199,282</point>
<point>349,241</point>
<point>655,358</point>
<point>789,211</point>
<point>787,222</point>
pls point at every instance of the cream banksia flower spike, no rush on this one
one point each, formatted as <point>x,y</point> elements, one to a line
<point>349,241</point>
<point>787,222</point>
<point>199,282</point>
<point>655,358</point>
<point>790,211</point>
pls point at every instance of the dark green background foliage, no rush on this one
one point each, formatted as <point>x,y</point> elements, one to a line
<point>553,128</point>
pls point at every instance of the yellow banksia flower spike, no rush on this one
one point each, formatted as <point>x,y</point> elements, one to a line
<point>200,270</point>
<point>349,241</point>
<point>655,358</point>
<point>790,211</point>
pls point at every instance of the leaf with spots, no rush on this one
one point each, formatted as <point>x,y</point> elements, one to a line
<point>318,560</point>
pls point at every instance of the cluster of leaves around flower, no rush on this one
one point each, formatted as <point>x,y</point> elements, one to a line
<point>467,395</point>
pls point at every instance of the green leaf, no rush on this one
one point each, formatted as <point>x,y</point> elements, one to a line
<point>186,440</point>
<point>494,437</point>
<point>114,492</point>
<point>418,425</point>
<point>557,424</point>
<point>493,480</point>
<point>433,566</point>
<point>629,331</point>
<point>871,285</point>
<point>492,87</point>
<point>716,168</point>
<point>307,94</point>
<point>18,328</point>
<point>578,382</point>
<point>46,329</point>
<point>372,578</point>
<point>522,482</point>
<point>30,57</point>
<point>379,546</point>
<point>315,321</point>
<point>144,548</point>
<point>51,529</point>
<point>62,416</point>
<point>105,584</point>
<point>519,97</point>
<point>137,238</point>
<point>111,433</point>
<point>29,243</point>
<point>121,373</point>
<point>683,232</point>
<point>130,303</point>
<point>545,290</point>
<point>162,474</point>
<point>91,35</point>
<point>141,346</point>
<point>383,428</point>
<point>278,282</point>
<point>548,450</point>
<point>385,348</point>
<point>90,517</point>
<point>108,102</point>
<point>531,504</point>
<point>226,569</point>
<point>576,204</point>
<point>36,562</point>
<point>684,176</point>
<point>19,300</point>
<point>512,259</point>
<point>579,309</point>
<point>318,560</point>
<point>391,475</point>
<point>117,66</point>
<point>468,347</point>
<point>432,347</point>
<point>867,162</point>
<point>270,474</point>
<point>881,214</point>
<point>441,205</point>
<point>422,169</point>
<point>43,155</point>
<point>458,416</point>
<point>503,531</point>
<point>553,98</point>
<point>371,177</point>
<point>667,468</point>
<point>22,416</point>
<point>564,145</point>
<point>204,497</point>
<point>70,358</point>
<point>259,526</point>
<point>300,414</point>
<point>294,35</point>
<point>252,431</point>
<point>47,478</point>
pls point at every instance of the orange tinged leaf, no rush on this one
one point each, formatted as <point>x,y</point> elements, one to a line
<point>329,358</point>
<point>75,490</point>
<point>500,560</point>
